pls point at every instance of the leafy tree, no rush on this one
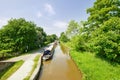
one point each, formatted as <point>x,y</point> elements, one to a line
<point>41,36</point>
<point>102,28</point>
<point>5,41</point>
<point>107,43</point>
<point>63,37</point>
<point>78,43</point>
<point>73,28</point>
<point>18,35</point>
<point>54,37</point>
<point>102,11</point>
<point>51,38</point>
<point>77,32</point>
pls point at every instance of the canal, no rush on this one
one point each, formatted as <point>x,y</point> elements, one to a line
<point>61,67</point>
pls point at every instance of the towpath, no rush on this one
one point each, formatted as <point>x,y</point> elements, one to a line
<point>25,69</point>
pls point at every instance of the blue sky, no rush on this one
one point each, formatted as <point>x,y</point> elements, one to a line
<point>52,15</point>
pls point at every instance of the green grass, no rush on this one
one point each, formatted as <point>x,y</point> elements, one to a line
<point>9,71</point>
<point>34,66</point>
<point>94,68</point>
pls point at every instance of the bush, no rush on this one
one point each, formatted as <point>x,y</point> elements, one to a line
<point>78,43</point>
<point>5,53</point>
<point>107,42</point>
<point>63,37</point>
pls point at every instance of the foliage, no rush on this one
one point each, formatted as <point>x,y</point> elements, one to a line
<point>78,40</point>
<point>20,36</point>
<point>102,11</point>
<point>94,68</point>
<point>63,37</point>
<point>107,42</point>
<point>51,38</point>
<point>78,43</point>
<point>73,28</point>
<point>100,33</point>
<point>5,53</point>
<point>99,38</point>
<point>41,37</point>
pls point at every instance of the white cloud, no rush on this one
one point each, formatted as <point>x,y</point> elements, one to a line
<point>39,15</point>
<point>49,9</point>
<point>60,24</point>
<point>52,30</point>
<point>3,21</point>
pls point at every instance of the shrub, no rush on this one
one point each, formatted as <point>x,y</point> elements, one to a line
<point>107,42</point>
<point>78,43</point>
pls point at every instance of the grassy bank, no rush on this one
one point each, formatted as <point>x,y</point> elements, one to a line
<point>9,71</point>
<point>34,66</point>
<point>94,68</point>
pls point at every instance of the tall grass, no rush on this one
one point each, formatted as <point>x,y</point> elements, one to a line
<point>94,68</point>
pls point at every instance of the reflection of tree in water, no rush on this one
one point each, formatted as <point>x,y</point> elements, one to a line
<point>71,65</point>
<point>76,73</point>
<point>61,67</point>
<point>64,49</point>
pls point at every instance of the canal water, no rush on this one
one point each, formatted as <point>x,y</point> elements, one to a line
<point>61,67</point>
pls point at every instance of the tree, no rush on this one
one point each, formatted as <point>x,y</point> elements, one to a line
<point>41,36</point>
<point>78,43</point>
<point>63,37</point>
<point>73,28</point>
<point>107,43</point>
<point>6,42</point>
<point>102,28</point>
<point>51,38</point>
<point>102,11</point>
<point>18,35</point>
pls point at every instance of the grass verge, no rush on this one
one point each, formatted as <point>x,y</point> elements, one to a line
<point>9,71</point>
<point>34,66</point>
<point>94,68</point>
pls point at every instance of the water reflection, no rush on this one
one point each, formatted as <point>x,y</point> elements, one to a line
<point>61,67</point>
<point>64,49</point>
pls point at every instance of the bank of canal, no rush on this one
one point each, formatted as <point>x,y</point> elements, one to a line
<point>61,67</point>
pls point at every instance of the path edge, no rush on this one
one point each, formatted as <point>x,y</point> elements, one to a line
<point>36,72</point>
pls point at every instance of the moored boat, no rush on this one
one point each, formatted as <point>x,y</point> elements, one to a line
<point>48,52</point>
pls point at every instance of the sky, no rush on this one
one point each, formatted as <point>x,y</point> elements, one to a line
<point>52,15</point>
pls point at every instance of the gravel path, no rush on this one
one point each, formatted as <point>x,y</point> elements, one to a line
<point>25,69</point>
<point>24,57</point>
